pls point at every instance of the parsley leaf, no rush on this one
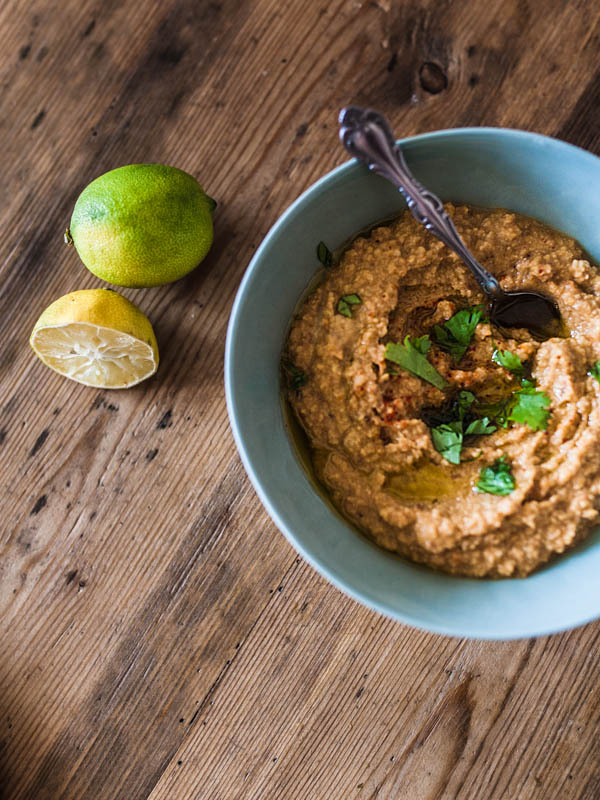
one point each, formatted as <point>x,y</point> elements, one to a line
<point>595,371</point>
<point>448,440</point>
<point>526,405</point>
<point>412,356</point>
<point>345,303</point>
<point>421,343</point>
<point>497,478</point>
<point>530,406</point>
<point>456,334</point>
<point>324,254</point>
<point>480,427</point>
<point>296,378</point>
<point>510,361</point>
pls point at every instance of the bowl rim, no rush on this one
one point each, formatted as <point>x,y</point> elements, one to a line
<point>362,597</point>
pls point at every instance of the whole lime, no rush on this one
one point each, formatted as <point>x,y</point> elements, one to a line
<point>142,225</point>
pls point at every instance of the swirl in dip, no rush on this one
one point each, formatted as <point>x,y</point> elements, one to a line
<point>493,467</point>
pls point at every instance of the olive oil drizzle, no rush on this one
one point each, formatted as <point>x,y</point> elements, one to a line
<point>428,482</point>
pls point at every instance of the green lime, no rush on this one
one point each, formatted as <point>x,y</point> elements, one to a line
<point>142,225</point>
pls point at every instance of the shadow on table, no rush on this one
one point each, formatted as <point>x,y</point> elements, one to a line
<point>15,770</point>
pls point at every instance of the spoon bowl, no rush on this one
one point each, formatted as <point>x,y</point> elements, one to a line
<point>531,310</point>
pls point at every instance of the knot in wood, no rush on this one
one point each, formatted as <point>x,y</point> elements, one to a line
<point>432,77</point>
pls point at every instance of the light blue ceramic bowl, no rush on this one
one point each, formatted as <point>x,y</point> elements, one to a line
<point>532,174</point>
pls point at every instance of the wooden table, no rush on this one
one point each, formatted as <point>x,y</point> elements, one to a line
<point>159,637</point>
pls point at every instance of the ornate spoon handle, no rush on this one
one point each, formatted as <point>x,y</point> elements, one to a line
<point>368,137</point>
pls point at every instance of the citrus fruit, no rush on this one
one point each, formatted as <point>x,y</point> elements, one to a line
<point>96,337</point>
<point>142,225</point>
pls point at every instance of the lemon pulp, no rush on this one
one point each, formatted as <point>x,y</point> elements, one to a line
<point>98,338</point>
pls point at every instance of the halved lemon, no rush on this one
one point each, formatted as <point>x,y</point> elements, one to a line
<point>96,337</point>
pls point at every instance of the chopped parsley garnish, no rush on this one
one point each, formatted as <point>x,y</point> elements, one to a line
<point>531,407</point>
<point>324,254</point>
<point>497,478</point>
<point>345,303</point>
<point>412,356</point>
<point>296,378</point>
<point>510,361</point>
<point>595,371</point>
<point>480,427</point>
<point>448,438</point>
<point>526,405</point>
<point>455,335</point>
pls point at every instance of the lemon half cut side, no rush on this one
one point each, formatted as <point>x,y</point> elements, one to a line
<point>96,337</point>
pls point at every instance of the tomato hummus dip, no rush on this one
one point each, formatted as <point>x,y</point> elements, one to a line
<point>458,445</point>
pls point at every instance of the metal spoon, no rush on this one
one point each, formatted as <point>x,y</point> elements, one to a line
<point>367,136</point>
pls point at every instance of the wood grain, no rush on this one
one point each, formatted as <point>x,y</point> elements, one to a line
<point>159,638</point>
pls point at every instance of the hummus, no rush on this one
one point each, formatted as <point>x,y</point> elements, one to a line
<point>369,422</point>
